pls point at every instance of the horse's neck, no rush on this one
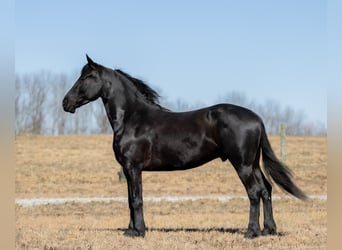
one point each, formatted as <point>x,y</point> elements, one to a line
<point>115,114</point>
<point>118,108</point>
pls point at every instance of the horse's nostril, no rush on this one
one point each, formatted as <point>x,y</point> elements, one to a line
<point>65,102</point>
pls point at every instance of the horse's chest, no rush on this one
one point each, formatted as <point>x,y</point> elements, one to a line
<point>132,149</point>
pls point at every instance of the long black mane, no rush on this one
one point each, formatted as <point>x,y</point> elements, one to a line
<point>150,95</point>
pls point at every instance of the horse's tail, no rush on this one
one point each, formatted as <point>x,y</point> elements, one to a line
<point>277,170</point>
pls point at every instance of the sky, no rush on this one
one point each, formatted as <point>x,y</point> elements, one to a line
<point>194,51</point>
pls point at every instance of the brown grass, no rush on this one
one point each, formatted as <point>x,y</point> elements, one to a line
<point>84,166</point>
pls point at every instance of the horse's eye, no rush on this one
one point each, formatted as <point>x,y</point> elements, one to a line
<point>85,77</point>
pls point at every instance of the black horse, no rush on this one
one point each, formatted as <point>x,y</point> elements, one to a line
<point>148,137</point>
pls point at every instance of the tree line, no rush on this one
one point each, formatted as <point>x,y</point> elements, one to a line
<point>38,109</point>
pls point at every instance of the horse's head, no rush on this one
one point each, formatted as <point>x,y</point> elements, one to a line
<point>87,88</point>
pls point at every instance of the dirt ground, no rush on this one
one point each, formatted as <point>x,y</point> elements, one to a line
<point>84,166</point>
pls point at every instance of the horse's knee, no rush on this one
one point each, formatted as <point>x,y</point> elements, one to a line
<point>266,194</point>
<point>254,196</point>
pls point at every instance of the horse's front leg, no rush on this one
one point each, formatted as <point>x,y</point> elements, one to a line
<point>131,217</point>
<point>134,184</point>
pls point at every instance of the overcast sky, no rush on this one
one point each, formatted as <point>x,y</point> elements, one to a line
<point>195,51</point>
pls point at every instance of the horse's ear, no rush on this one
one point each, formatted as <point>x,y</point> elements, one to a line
<point>91,62</point>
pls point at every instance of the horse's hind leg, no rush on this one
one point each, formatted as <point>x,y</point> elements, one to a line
<point>253,188</point>
<point>266,195</point>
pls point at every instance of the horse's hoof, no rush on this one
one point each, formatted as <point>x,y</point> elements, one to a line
<point>251,234</point>
<point>134,233</point>
<point>269,231</point>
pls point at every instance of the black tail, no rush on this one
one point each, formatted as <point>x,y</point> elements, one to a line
<point>279,172</point>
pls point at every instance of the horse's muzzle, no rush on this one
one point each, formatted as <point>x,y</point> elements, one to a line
<point>67,107</point>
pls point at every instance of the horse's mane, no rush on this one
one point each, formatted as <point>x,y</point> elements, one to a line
<point>150,95</point>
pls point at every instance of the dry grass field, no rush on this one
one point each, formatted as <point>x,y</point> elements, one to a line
<point>84,166</point>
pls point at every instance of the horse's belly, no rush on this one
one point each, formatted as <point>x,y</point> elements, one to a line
<point>181,157</point>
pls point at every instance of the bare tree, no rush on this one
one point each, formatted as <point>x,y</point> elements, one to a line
<point>101,119</point>
<point>58,87</point>
<point>18,106</point>
<point>270,111</point>
<point>30,101</point>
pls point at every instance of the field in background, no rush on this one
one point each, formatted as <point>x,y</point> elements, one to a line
<point>84,166</point>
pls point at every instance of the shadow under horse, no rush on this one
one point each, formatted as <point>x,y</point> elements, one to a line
<point>149,137</point>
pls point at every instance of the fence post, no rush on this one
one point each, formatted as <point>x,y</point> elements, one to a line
<point>283,142</point>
